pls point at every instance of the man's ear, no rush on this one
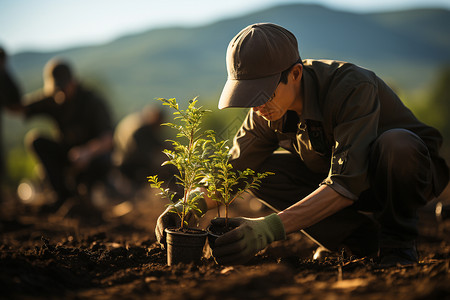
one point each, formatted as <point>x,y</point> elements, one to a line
<point>297,72</point>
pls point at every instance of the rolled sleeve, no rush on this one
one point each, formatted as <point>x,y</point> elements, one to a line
<point>253,143</point>
<point>356,128</point>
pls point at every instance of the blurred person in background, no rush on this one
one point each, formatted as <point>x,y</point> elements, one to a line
<point>139,142</point>
<point>80,155</point>
<point>10,99</point>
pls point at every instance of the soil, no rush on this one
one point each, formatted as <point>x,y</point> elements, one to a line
<point>108,250</point>
<point>219,230</point>
<point>188,230</point>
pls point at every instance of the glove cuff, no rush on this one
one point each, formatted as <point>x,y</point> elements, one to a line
<point>200,203</point>
<point>276,226</point>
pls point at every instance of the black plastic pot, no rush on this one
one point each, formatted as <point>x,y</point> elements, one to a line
<point>215,231</point>
<point>185,246</point>
<point>212,236</point>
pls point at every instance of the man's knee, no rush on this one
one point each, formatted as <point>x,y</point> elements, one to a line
<point>38,144</point>
<point>33,140</point>
<point>401,142</point>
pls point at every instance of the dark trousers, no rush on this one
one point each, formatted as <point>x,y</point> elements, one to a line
<point>62,177</point>
<point>384,215</point>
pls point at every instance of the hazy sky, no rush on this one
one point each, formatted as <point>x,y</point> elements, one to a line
<point>56,24</point>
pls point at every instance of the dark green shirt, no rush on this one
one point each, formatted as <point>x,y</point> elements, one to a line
<point>345,109</point>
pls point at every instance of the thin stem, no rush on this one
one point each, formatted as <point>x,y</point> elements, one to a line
<point>183,213</point>
<point>226,216</point>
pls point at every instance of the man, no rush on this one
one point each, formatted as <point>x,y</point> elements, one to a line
<point>10,97</point>
<point>138,146</point>
<point>81,152</point>
<point>353,151</point>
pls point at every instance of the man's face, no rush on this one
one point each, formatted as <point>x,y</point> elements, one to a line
<point>283,99</point>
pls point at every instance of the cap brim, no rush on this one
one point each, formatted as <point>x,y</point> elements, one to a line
<point>248,92</point>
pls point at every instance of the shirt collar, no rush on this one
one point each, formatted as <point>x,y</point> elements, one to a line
<point>311,108</point>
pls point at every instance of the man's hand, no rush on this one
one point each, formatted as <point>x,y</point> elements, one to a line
<point>169,218</point>
<point>248,238</point>
<point>166,220</point>
<point>80,157</point>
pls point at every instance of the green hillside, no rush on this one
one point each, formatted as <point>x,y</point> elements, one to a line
<point>404,47</point>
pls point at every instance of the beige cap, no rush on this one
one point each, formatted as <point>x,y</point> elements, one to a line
<point>256,57</point>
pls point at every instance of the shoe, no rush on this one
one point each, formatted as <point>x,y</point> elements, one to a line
<point>397,257</point>
<point>320,253</point>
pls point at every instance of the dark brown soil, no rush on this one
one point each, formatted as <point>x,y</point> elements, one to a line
<point>187,230</point>
<point>85,254</point>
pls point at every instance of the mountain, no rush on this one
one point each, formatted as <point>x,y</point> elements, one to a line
<point>403,47</point>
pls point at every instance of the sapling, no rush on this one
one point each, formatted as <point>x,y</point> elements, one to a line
<point>189,155</point>
<point>224,184</point>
